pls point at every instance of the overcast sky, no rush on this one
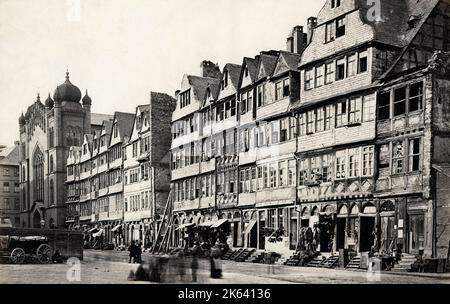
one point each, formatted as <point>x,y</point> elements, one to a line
<point>120,50</point>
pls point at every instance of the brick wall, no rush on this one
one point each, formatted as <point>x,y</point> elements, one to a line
<point>161,108</point>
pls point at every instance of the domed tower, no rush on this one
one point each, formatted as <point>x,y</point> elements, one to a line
<point>87,103</point>
<point>67,92</point>
<point>49,102</point>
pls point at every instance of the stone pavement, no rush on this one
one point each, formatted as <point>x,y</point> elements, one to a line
<point>112,267</point>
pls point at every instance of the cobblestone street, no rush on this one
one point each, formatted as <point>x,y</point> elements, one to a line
<point>111,267</point>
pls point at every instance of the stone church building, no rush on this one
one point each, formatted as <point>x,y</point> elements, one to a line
<point>47,130</point>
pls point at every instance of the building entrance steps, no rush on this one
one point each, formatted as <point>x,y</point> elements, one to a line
<point>405,263</point>
<point>354,263</point>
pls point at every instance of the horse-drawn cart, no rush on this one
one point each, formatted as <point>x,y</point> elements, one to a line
<point>19,248</point>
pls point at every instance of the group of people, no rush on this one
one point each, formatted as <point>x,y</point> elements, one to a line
<point>309,239</point>
<point>175,268</point>
<point>135,250</point>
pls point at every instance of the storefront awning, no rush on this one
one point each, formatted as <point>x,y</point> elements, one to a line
<point>116,228</point>
<point>249,227</point>
<point>185,226</point>
<point>99,233</point>
<point>219,223</point>
<point>206,224</point>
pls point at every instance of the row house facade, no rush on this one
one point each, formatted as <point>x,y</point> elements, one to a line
<point>119,178</point>
<point>10,185</point>
<point>344,133</point>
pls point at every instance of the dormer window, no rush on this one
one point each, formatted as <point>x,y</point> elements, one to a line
<point>115,131</point>
<point>225,80</point>
<point>85,149</point>
<point>185,99</point>
<point>335,3</point>
<point>246,72</point>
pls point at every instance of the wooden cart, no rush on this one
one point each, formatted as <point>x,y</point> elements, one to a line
<point>20,248</point>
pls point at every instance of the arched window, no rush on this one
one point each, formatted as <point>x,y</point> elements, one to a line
<point>52,166</point>
<point>52,193</point>
<point>38,175</point>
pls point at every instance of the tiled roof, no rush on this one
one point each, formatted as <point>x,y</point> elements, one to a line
<point>125,123</point>
<point>252,65</point>
<point>97,119</point>
<point>234,71</point>
<point>200,84</point>
<point>108,126</point>
<point>292,60</point>
<point>393,29</point>
<point>9,156</point>
<point>269,63</point>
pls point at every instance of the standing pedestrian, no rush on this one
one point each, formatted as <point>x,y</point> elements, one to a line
<point>216,271</point>
<point>132,250</point>
<point>194,262</point>
<point>139,252</point>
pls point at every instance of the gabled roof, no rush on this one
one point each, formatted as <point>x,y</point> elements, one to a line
<point>267,65</point>
<point>125,123</point>
<point>10,156</point>
<point>108,126</point>
<point>393,29</point>
<point>287,62</point>
<point>97,119</point>
<point>234,72</point>
<point>89,139</point>
<point>200,84</point>
<point>214,89</point>
<point>252,65</point>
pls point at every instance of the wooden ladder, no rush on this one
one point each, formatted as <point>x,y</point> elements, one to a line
<point>159,246</point>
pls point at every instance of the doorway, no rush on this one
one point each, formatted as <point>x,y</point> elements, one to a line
<point>367,224</point>
<point>387,233</point>
<point>341,224</point>
<point>326,226</point>
<point>253,237</point>
<point>36,220</point>
<point>262,229</point>
<point>235,234</point>
<point>416,233</point>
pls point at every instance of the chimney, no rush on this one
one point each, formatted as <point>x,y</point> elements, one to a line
<point>209,69</point>
<point>296,42</point>
<point>312,23</point>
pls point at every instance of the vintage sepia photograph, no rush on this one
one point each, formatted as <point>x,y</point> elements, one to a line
<point>225,142</point>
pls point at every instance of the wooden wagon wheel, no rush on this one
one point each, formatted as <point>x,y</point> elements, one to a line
<point>18,256</point>
<point>44,253</point>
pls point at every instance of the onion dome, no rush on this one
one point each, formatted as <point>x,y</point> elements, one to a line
<point>22,120</point>
<point>67,92</point>
<point>87,101</point>
<point>49,101</point>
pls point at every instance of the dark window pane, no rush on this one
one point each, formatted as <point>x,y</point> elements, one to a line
<point>363,65</point>
<point>416,97</point>
<point>399,108</point>
<point>384,101</point>
<point>400,94</point>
